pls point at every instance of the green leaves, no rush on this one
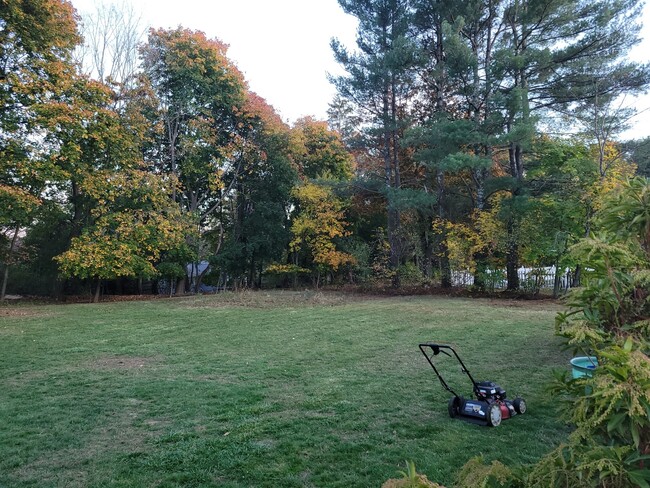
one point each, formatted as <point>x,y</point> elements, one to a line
<point>135,222</point>
<point>611,409</point>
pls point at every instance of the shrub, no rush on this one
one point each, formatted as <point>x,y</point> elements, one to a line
<point>609,317</point>
<point>477,474</point>
<point>411,479</point>
<point>410,275</point>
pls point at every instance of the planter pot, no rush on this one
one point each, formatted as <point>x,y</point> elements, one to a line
<point>582,366</point>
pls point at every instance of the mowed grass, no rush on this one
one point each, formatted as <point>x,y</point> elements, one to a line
<point>282,389</point>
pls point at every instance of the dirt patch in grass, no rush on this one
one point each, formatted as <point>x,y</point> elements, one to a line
<point>541,304</point>
<point>20,312</point>
<point>270,299</point>
<point>122,362</point>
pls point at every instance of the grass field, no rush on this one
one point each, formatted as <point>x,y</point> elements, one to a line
<point>283,389</point>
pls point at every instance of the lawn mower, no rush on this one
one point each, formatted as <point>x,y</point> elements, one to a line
<point>490,405</point>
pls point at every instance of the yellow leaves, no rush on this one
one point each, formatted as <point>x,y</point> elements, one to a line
<point>136,222</point>
<point>484,233</point>
<point>321,220</point>
<point>333,258</point>
<point>215,180</point>
<point>285,269</point>
<point>319,151</point>
<point>17,205</point>
<point>461,242</point>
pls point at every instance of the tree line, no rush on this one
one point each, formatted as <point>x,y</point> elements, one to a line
<point>440,153</point>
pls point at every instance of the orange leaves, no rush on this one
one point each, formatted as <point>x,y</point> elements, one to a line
<point>319,152</point>
<point>184,54</point>
<point>258,108</point>
<point>40,26</point>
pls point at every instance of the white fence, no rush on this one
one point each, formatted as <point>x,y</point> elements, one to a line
<point>529,278</point>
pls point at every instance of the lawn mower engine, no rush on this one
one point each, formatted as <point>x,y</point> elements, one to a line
<point>490,405</point>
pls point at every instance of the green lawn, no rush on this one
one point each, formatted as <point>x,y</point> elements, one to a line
<point>263,390</point>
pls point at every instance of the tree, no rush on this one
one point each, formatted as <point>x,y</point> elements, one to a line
<point>379,82</point>
<point>36,41</point>
<point>17,211</point>
<point>320,151</point>
<point>557,55</point>
<point>200,95</point>
<point>112,33</point>
<point>459,114</point>
<point>203,133</point>
<point>37,37</point>
<point>135,221</point>
<point>256,214</point>
<point>318,224</point>
<point>638,152</point>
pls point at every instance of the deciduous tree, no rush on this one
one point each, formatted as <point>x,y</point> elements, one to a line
<point>319,223</point>
<point>36,41</point>
<point>135,221</point>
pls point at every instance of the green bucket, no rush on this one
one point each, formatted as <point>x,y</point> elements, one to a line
<point>583,366</point>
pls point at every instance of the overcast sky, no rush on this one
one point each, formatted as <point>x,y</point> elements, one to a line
<point>283,46</point>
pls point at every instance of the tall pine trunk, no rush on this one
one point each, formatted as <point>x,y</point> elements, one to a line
<point>512,257</point>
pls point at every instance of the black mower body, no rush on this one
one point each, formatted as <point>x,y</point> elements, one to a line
<point>489,405</point>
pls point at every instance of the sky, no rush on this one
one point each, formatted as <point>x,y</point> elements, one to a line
<point>283,46</point>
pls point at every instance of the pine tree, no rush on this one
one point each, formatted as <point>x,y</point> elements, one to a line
<point>380,81</point>
<point>556,55</point>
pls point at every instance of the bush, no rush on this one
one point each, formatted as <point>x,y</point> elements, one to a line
<point>410,479</point>
<point>477,474</point>
<point>410,275</point>
<point>609,317</point>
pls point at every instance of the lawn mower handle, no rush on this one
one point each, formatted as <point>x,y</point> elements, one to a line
<point>440,348</point>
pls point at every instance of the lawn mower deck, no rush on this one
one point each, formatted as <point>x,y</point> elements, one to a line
<point>490,405</point>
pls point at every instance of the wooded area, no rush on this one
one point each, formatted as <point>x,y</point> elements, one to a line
<point>445,150</point>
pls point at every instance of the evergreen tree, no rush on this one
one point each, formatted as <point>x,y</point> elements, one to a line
<point>557,55</point>
<point>380,82</point>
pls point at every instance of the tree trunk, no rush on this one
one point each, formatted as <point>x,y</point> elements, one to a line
<point>393,240</point>
<point>575,282</point>
<point>58,289</point>
<point>556,282</point>
<point>199,278</point>
<point>5,276</point>
<point>180,286</point>
<point>443,249</point>
<point>251,273</point>
<point>392,214</point>
<point>481,271</point>
<point>97,291</point>
<point>445,269</point>
<point>512,260</point>
<point>428,255</point>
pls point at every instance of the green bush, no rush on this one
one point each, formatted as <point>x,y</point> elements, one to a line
<point>477,474</point>
<point>609,317</point>
<point>410,275</point>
